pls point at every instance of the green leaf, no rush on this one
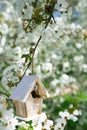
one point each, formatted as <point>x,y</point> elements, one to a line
<point>22,128</point>
<point>31,128</point>
<point>38,10</point>
<point>82,96</point>
<point>1,16</point>
<point>30,122</point>
<point>27,56</point>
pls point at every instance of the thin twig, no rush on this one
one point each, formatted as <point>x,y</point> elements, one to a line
<point>32,63</point>
<point>53,19</point>
<point>34,53</point>
<point>37,43</point>
<point>51,15</point>
<point>3,93</point>
<point>26,69</point>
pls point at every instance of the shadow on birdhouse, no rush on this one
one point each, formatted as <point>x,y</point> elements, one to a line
<point>28,96</point>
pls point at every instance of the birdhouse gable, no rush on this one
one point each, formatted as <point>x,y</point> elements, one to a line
<point>28,85</point>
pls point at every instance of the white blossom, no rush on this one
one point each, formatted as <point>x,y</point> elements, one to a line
<point>48,124</point>
<point>73,118</point>
<point>55,82</point>
<point>71,106</point>
<point>79,45</point>
<point>66,66</point>
<point>67,116</point>
<point>38,127</point>
<point>46,67</point>
<point>64,115</point>
<point>77,112</point>
<point>61,4</point>
<point>78,58</point>
<point>84,68</point>
<point>42,118</point>
<point>60,124</point>
<point>7,119</point>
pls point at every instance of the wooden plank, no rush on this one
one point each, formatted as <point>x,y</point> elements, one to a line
<point>42,89</point>
<point>20,109</point>
<point>29,106</point>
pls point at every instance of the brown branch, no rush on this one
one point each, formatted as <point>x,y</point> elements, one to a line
<point>51,16</point>
<point>37,43</point>
<point>32,63</point>
<point>33,53</point>
<point>53,19</point>
<point>26,69</point>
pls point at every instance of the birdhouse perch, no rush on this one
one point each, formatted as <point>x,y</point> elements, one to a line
<point>28,96</point>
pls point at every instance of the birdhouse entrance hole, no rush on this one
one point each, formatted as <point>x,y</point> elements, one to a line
<point>35,92</point>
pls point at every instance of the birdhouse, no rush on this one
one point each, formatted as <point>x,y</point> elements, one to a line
<point>28,96</point>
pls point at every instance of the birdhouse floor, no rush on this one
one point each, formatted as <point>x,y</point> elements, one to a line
<point>28,119</point>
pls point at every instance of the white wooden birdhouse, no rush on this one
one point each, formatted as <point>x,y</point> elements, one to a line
<point>28,96</point>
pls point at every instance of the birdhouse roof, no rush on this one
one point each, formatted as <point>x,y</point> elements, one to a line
<point>24,88</point>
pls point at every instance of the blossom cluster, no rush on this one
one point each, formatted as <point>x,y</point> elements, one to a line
<point>7,119</point>
<point>42,123</point>
<point>59,56</point>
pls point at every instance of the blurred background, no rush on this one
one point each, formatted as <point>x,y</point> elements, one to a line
<point>60,59</point>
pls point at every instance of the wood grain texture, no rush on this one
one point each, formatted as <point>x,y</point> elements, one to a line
<point>20,108</point>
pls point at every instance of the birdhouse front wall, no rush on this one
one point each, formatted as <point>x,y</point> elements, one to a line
<point>37,105</point>
<point>20,108</point>
<point>33,106</point>
<point>37,99</point>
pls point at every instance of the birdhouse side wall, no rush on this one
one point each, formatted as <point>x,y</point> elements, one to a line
<point>20,108</point>
<point>29,106</point>
<point>41,88</point>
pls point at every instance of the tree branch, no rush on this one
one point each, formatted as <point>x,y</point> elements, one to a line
<point>26,69</point>
<point>33,52</point>
<point>51,16</point>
